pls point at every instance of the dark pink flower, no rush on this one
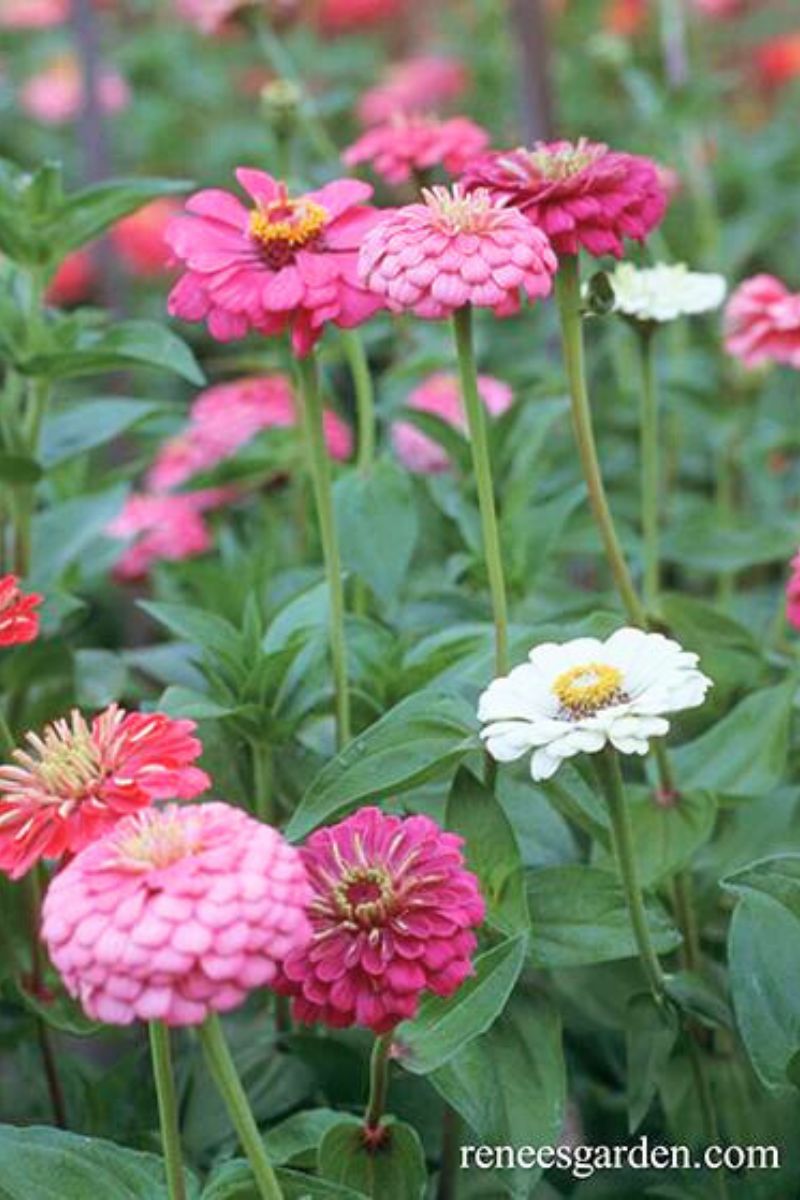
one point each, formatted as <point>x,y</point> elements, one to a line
<point>417,85</point>
<point>393,913</point>
<point>139,238</point>
<point>208,15</point>
<point>163,527</point>
<point>441,396</point>
<point>19,620</point>
<point>407,145</point>
<point>793,594</point>
<point>284,264</point>
<point>347,16</point>
<point>762,323</point>
<point>580,193</point>
<point>73,281</point>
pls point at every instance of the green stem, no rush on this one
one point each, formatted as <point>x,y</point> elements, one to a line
<point>707,1107</point>
<point>167,1109</point>
<point>263,797</point>
<point>568,293</point>
<point>683,907</point>
<point>33,889</point>
<point>365,398</point>
<point>479,441</point>
<point>227,1081</point>
<point>320,469</point>
<point>624,851</point>
<point>651,474</point>
<point>447,1188</point>
<point>378,1080</point>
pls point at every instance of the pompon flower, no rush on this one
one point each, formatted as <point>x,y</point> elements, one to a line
<point>176,914</point>
<point>225,417</point>
<point>73,281</point>
<point>580,193</point>
<point>415,144</point>
<point>283,264</point>
<point>793,594</point>
<point>664,292</point>
<point>78,778</point>
<point>349,16</point>
<point>139,238</point>
<point>392,913</point>
<point>33,14</point>
<point>417,85</point>
<point>19,620</point>
<point>762,323</point>
<point>54,96</point>
<point>435,257</point>
<point>440,395</point>
<point>576,697</point>
<point>163,527</point>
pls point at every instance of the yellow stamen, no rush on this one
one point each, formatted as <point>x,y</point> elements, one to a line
<point>159,840</point>
<point>587,688</point>
<point>287,223</point>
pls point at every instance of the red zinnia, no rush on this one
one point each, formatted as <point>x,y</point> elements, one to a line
<point>19,621</point>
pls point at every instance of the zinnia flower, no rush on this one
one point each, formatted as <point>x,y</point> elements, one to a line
<point>417,85</point>
<point>576,697</point>
<point>793,594</point>
<point>76,779</point>
<point>54,95</point>
<point>163,527</point>
<point>409,145</point>
<point>778,60</point>
<point>392,913</point>
<point>73,281</point>
<point>283,264</point>
<point>19,620</point>
<point>33,14</point>
<point>762,323</point>
<point>208,15</point>
<point>452,250</point>
<point>347,16</point>
<point>176,914</point>
<point>580,193</point>
<point>665,291</point>
<point>139,238</point>
<point>441,396</point>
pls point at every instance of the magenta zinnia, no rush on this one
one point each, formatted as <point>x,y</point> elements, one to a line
<point>393,914</point>
<point>78,778</point>
<point>177,913</point>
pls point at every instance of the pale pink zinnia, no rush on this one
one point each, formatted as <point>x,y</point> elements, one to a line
<point>284,264</point>
<point>408,146</point>
<point>416,85</point>
<point>580,193</point>
<point>77,778</point>
<point>762,323</point>
<point>139,238</point>
<point>393,913</point>
<point>33,14</point>
<point>176,914</point>
<point>452,250</point>
<point>793,594</point>
<point>55,95</point>
<point>163,527</point>
<point>440,395</point>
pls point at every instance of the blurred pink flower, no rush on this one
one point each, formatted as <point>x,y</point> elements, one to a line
<point>580,193</point>
<point>762,323</point>
<point>351,16</point>
<point>453,250</point>
<point>54,95</point>
<point>393,913</point>
<point>33,14</point>
<point>139,239</point>
<point>441,396</point>
<point>718,8</point>
<point>793,594</point>
<point>417,85</point>
<point>177,913</point>
<point>778,60</point>
<point>208,15</point>
<point>285,264</point>
<point>163,527</point>
<point>78,778</point>
<point>73,281</point>
<point>410,144</point>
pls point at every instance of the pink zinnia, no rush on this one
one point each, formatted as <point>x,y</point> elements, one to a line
<point>178,913</point>
<point>420,84</point>
<point>346,16</point>
<point>33,14</point>
<point>19,620</point>
<point>283,264</point>
<point>762,323</point>
<point>580,193</point>
<point>139,238</point>
<point>208,15</point>
<point>393,914</point>
<point>73,281</point>
<point>452,250</point>
<point>78,778</point>
<point>793,594</point>
<point>54,96</point>
<point>406,146</point>
<point>441,396</point>
<point>160,527</point>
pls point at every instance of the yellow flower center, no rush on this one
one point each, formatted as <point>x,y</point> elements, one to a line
<point>285,225</point>
<point>585,689</point>
<point>158,840</point>
<point>561,164</point>
<point>64,758</point>
<point>364,895</point>
<point>457,212</point>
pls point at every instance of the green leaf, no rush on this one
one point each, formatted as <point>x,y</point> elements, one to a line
<point>129,343</point>
<point>666,835</point>
<point>378,525</point>
<point>207,630</point>
<point>579,916</point>
<point>729,652</point>
<point>234,1181</point>
<point>87,424</point>
<point>179,701</point>
<point>299,1136</point>
<point>419,739</point>
<point>19,469</point>
<point>777,877</point>
<point>393,1171</point>
<point>443,1026</point>
<point>62,533</point>
<point>59,1011</point>
<point>699,999</point>
<point>704,543</point>
<point>100,677</point>
<point>651,1030</point>
<point>87,213</point>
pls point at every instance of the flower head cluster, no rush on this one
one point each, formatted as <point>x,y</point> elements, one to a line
<point>416,85</point>
<point>286,263</point>
<point>581,194</point>
<point>456,249</point>
<point>664,292</point>
<point>163,527</point>
<point>54,95</point>
<point>139,238</point>
<point>78,778</point>
<point>177,913</point>
<point>19,620</point>
<point>440,395</point>
<point>579,696</point>
<point>392,913</point>
<point>762,323</point>
<point>408,145</point>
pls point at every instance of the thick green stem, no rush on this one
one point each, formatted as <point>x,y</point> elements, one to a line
<point>378,1080</point>
<point>476,421</point>
<point>651,475</point>
<point>223,1072</point>
<point>167,1109</point>
<point>568,292</point>
<point>625,853</point>
<point>449,1168</point>
<point>320,469</point>
<point>263,798</point>
<point>365,398</point>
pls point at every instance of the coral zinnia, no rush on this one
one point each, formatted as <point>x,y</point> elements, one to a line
<point>19,620</point>
<point>176,914</point>
<point>416,144</point>
<point>139,238</point>
<point>392,914</point>
<point>453,250</point>
<point>762,323</point>
<point>440,395</point>
<point>580,193</point>
<point>78,778</point>
<point>286,263</point>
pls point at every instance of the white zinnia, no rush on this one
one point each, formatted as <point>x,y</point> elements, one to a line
<point>664,292</point>
<point>575,697</point>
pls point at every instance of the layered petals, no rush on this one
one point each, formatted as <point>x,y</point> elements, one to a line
<point>409,146</point>
<point>762,323</point>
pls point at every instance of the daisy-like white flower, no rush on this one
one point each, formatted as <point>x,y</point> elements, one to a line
<point>664,292</point>
<point>577,697</point>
